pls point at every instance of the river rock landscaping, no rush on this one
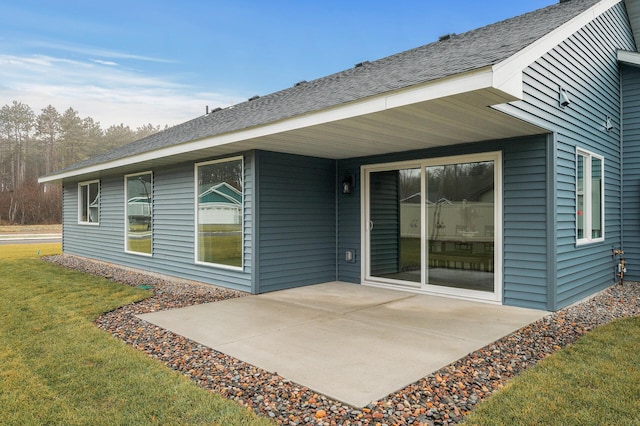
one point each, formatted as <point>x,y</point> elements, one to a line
<point>442,398</point>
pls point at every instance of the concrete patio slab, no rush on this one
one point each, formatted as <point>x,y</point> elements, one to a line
<point>353,343</point>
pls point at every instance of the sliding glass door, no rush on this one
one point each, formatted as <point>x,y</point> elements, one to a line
<point>432,225</point>
<point>394,225</point>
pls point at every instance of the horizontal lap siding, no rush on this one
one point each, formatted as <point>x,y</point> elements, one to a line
<point>96,241</point>
<point>297,216</point>
<point>631,137</point>
<point>349,231</point>
<point>586,66</point>
<point>525,223</point>
<point>173,228</point>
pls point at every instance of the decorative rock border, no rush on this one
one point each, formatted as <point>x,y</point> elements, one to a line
<point>442,398</point>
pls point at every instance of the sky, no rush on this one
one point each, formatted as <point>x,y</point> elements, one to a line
<point>162,62</point>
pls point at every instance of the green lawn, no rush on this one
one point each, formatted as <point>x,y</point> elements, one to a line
<point>56,367</point>
<point>221,244</point>
<point>595,381</point>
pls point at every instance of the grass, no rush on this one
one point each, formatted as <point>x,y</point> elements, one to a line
<point>224,248</point>
<point>594,381</point>
<point>56,367</point>
<point>140,245</point>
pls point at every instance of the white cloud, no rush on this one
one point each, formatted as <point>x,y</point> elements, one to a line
<point>93,51</point>
<point>102,90</point>
<point>110,63</point>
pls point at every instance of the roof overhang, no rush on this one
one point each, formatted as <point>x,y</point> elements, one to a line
<point>450,111</point>
<point>458,109</point>
<point>629,58</point>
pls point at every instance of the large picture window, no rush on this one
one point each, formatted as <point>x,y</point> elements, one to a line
<point>139,213</point>
<point>219,201</point>
<point>589,197</point>
<point>89,202</point>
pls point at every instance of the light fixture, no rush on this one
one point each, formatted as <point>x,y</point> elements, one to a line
<point>564,98</point>
<point>347,184</point>
<point>608,124</point>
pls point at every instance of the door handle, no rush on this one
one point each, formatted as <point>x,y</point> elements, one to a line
<point>370,225</point>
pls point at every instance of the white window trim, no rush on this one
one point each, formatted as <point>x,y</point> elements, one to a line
<point>82,185</point>
<point>587,212</point>
<point>126,214</point>
<point>367,279</point>
<point>196,212</point>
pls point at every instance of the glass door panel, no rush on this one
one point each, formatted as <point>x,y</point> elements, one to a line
<point>395,225</point>
<point>460,212</point>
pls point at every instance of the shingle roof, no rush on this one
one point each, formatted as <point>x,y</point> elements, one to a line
<point>472,50</point>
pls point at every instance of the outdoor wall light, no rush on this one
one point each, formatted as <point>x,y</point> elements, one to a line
<point>347,184</point>
<point>564,98</point>
<point>608,124</point>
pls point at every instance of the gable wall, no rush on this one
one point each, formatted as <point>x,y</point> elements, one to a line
<point>631,182</point>
<point>173,227</point>
<point>586,66</point>
<point>296,221</point>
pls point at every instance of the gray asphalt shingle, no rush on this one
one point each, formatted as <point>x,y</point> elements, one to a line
<point>472,50</point>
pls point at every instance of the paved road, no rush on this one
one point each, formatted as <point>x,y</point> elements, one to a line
<point>30,238</point>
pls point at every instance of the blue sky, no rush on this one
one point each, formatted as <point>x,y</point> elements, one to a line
<point>162,62</point>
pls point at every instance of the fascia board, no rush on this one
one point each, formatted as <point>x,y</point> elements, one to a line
<point>629,58</point>
<point>461,83</point>
<point>508,73</point>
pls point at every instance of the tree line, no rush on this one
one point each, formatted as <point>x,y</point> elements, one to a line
<point>36,144</point>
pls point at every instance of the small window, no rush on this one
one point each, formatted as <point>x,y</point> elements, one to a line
<point>589,198</point>
<point>139,213</point>
<point>89,202</point>
<point>219,207</point>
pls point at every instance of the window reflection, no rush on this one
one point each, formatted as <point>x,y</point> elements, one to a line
<point>139,213</point>
<point>220,201</point>
<point>460,215</point>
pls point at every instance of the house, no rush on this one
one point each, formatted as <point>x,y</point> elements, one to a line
<point>515,147</point>
<point>220,204</point>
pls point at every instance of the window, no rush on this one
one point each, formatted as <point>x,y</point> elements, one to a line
<point>435,225</point>
<point>219,201</point>
<point>89,202</point>
<point>589,198</point>
<point>139,213</point>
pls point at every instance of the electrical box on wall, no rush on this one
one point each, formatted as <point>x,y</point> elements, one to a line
<point>350,255</point>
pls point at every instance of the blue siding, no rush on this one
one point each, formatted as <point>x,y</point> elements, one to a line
<point>631,183</point>
<point>173,228</point>
<point>349,231</point>
<point>297,231</point>
<point>524,221</point>
<point>585,65</point>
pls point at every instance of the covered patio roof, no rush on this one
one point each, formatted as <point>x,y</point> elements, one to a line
<point>450,120</point>
<point>440,94</point>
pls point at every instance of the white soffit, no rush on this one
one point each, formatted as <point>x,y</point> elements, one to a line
<point>633,10</point>
<point>476,86</point>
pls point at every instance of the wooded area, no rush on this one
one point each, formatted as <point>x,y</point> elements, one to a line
<point>33,145</point>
